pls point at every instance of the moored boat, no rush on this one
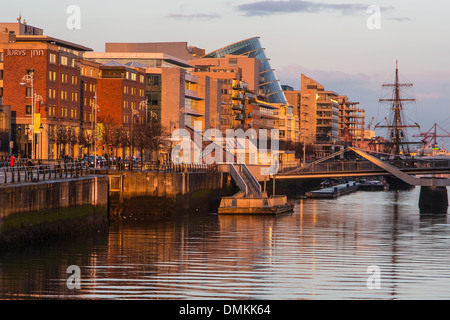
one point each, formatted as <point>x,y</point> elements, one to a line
<point>255,206</point>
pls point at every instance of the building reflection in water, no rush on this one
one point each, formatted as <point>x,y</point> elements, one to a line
<point>322,250</point>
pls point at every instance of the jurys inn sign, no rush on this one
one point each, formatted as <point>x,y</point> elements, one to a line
<point>24,52</point>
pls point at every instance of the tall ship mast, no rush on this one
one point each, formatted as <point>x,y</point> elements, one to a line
<point>398,143</point>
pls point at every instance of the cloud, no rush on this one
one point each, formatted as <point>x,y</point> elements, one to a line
<point>203,16</point>
<point>263,8</point>
<point>399,19</point>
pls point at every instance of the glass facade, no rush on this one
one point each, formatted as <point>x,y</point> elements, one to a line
<point>268,82</point>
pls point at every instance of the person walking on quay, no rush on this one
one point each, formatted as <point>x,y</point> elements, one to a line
<point>30,165</point>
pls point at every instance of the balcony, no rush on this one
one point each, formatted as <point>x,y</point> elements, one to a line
<point>238,106</point>
<point>237,95</point>
<point>236,84</point>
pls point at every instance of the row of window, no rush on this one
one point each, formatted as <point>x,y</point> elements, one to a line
<point>133,91</point>
<point>51,111</point>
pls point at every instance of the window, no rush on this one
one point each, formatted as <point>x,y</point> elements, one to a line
<point>1,56</point>
<point>52,58</point>
<point>155,99</point>
<point>154,80</point>
<point>64,61</point>
<point>28,92</point>
<point>1,74</point>
<point>1,92</point>
<point>28,109</point>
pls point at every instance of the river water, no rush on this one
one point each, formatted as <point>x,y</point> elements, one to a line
<point>325,249</point>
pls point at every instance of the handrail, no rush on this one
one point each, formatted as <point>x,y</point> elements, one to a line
<point>238,179</point>
<point>252,179</point>
<point>37,173</point>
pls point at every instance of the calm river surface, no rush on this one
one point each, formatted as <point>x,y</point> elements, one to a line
<point>320,251</point>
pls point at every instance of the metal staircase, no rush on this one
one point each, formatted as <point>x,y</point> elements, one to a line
<point>246,181</point>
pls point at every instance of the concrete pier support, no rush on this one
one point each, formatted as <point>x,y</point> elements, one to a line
<point>433,200</point>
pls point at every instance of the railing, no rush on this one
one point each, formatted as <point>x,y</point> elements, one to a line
<point>43,172</point>
<point>343,166</point>
<point>251,178</point>
<point>157,166</point>
<point>238,179</point>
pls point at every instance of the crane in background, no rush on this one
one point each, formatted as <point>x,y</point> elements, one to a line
<point>431,135</point>
<point>370,124</point>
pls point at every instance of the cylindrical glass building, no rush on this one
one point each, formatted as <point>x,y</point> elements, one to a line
<point>269,85</point>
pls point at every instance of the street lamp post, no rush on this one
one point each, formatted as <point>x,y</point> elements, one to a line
<point>144,104</point>
<point>304,137</point>
<point>69,139</point>
<point>41,129</point>
<point>94,131</point>
<point>29,79</point>
<point>134,112</point>
<point>60,132</point>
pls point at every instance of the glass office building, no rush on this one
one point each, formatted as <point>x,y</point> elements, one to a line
<point>268,82</point>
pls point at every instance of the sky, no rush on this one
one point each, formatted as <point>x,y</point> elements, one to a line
<point>344,45</point>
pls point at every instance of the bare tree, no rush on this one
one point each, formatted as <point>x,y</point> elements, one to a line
<point>85,140</point>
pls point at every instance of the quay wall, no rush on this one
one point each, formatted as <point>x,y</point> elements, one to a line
<point>31,212</point>
<point>151,193</point>
<point>169,184</point>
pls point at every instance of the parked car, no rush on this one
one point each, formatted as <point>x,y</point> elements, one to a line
<point>90,160</point>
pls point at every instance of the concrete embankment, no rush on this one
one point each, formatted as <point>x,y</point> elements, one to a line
<point>31,212</point>
<point>143,193</point>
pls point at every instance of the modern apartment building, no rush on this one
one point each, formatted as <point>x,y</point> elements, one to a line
<point>237,73</point>
<point>318,115</point>
<point>351,122</point>
<point>268,84</point>
<point>327,120</point>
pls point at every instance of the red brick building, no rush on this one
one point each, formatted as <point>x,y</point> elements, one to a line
<point>40,78</point>
<point>49,79</point>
